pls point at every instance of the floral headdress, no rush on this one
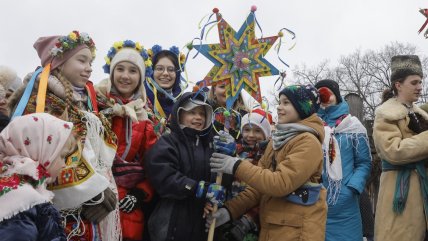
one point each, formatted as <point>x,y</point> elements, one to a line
<point>71,41</point>
<point>174,49</point>
<point>128,44</point>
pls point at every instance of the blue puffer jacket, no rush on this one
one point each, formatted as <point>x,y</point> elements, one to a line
<point>343,218</point>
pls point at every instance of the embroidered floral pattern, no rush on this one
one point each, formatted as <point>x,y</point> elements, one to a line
<point>9,183</point>
<point>27,141</point>
<point>49,139</point>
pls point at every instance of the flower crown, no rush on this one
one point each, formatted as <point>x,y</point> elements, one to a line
<point>128,44</point>
<point>71,41</point>
<point>174,49</point>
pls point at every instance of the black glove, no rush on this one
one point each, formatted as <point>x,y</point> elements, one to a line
<point>96,213</point>
<point>132,200</point>
<point>241,227</point>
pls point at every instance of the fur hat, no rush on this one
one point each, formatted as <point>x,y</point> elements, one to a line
<point>332,85</point>
<point>405,65</point>
<point>58,49</point>
<point>304,98</point>
<point>9,79</point>
<point>258,117</point>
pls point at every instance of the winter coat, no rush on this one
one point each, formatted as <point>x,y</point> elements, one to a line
<point>175,165</point>
<point>344,218</point>
<point>39,223</point>
<point>128,168</point>
<point>298,161</point>
<point>398,145</point>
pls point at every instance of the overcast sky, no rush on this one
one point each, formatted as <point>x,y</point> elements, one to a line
<point>325,29</point>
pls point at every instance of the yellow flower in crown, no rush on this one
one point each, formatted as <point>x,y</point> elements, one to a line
<point>72,36</point>
<point>118,45</point>
<point>148,62</point>
<point>150,53</point>
<point>138,46</point>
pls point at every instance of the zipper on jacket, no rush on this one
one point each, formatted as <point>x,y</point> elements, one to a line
<point>197,140</point>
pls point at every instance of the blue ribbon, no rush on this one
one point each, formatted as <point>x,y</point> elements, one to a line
<point>27,94</point>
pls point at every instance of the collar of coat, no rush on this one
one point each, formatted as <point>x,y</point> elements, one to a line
<point>394,110</point>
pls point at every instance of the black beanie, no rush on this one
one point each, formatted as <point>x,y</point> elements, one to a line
<point>332,85</point>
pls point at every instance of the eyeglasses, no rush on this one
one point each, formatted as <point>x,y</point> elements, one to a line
<point>161,69</point>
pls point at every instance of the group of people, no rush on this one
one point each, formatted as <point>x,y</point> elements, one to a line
<point>135,157</point>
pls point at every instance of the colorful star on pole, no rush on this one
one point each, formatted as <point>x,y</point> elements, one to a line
<point>425,13</point>
<point>238,59</point>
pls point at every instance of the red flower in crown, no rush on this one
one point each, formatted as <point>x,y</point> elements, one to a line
<point>27,141</point>
<point>66,126</point>
<point>49,139</point>
<point>35,118</point>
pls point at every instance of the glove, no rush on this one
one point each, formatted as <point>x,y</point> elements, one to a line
<point>241,227</point>
<point>214,193</point>
<point>225,143</point>
<point>222,163</point>
<point>95,213</point>
<point>132,200</point>
<point>221,216</point>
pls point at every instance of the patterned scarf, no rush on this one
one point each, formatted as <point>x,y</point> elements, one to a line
<point>30,146</point>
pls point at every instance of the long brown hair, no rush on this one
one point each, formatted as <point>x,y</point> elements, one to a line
<point>392,91</point>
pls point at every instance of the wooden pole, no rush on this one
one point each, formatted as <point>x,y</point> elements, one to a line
<point>218,179</point>
<point>212,226</point>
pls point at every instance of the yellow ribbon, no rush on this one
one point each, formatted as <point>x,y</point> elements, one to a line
<point>158,107</point>
<point>43,85</point>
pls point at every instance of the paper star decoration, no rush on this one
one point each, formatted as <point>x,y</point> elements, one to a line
<point>238,59</point>
<point>425,13</point>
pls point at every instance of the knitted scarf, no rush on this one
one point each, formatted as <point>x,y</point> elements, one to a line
<point>285,132</point>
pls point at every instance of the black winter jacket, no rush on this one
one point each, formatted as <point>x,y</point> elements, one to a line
<point>175,165</point>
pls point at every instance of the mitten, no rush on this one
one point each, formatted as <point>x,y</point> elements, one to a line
<point>214,193</point>
<point>224,143</point>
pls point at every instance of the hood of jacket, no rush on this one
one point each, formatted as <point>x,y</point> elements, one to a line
<point>175,125</point>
